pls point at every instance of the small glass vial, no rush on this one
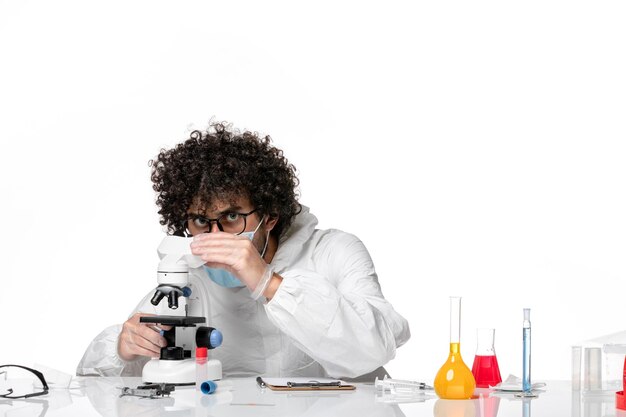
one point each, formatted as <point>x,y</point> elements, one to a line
<point>202,369</point>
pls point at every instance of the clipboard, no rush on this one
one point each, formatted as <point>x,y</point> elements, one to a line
<point>304,384</point>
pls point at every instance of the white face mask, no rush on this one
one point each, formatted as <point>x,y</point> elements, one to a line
<point>225,278</point>
<point>250,235</point>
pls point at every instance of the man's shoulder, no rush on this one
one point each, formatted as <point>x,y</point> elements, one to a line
<point>334,238</point>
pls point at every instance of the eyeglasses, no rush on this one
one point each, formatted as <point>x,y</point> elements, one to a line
<point>38,374</point>
<point>230,222</point>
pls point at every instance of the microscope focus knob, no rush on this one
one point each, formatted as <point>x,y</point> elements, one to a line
<point>208,337</point>
<point>186,292</point>
<point>216,338</point>
<point>173,353</point>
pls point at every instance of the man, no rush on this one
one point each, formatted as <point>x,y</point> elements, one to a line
<point>291,300</point>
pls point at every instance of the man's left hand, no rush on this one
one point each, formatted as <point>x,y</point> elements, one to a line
<point>236,254</point>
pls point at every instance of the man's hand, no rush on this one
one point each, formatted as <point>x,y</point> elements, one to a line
<point>140,339</point>
<point>236,254</point>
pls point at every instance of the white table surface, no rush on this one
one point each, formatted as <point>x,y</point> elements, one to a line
<point>100,397</point>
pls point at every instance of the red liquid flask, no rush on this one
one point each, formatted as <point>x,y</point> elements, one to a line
<point>485,369</point>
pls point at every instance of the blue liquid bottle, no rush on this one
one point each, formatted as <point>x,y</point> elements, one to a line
<point>526,384</point>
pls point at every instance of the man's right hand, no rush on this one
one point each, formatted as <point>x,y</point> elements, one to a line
<point>140,339</point>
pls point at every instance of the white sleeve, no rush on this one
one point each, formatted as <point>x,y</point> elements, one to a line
<point>337,314</point>
<point>101,356</point>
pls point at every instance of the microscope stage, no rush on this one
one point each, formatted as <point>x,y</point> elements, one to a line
<point>173,320</point>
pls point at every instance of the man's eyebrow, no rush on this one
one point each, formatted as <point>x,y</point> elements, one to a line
<point>228,209</point>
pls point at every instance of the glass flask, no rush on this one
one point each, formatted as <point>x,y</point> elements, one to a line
<point>455,381</point>
<point>485,369</point>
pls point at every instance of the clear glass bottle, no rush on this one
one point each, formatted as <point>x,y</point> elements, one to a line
<point>202,369</point>
<point>485,369</point>
<point>455,381</point>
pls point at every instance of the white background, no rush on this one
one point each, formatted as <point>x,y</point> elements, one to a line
<point>477,148</point>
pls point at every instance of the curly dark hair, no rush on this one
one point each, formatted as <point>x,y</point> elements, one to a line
<point>224,164</point>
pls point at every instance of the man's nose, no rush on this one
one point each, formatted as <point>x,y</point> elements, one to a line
<point>214,227</point>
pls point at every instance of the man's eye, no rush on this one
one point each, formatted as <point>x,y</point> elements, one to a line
<point>231,217</point>
<point>200,222</point>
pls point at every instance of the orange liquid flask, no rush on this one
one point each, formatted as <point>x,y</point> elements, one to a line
<point>485,369</point>
<point>455,381</point>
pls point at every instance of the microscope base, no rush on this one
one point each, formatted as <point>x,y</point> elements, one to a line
<point>178,371</point>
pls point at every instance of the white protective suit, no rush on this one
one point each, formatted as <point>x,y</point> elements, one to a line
<point>328,317</point>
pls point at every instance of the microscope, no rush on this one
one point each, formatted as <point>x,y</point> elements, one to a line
<point>176,363</point>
